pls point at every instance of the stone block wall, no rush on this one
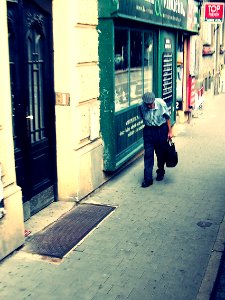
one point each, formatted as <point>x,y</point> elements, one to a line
<point>11,225</point>
<point>79,146</point>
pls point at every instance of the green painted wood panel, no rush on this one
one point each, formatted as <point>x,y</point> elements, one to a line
<point>167,67</point>
<point>107,107</point>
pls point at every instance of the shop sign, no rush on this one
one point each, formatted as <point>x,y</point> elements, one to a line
<point>214,12</point>
<point>129,127</point>
<point>191,93</point>
<point>174,13</point>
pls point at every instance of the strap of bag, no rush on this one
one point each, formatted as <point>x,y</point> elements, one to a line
<point>170,141</point>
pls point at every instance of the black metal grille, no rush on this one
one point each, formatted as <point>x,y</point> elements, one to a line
<point>60,237</point>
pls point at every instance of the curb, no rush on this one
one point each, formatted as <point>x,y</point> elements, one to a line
<point>212,269</point>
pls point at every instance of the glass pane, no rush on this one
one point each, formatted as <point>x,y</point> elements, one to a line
<point>135,67</point>
<point>121,69</point>
<point>36,103</point>
<point>148,62</point>
<point>40,90</point>
<point>30,112</point>
<point>179,80</point>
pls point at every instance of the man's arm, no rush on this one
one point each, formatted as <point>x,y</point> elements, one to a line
<point>170,133</point>
<point>140,112</point>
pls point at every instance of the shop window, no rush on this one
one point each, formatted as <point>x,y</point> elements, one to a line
<point>133,66</point>
<point>148,62</point>
<point>121,69</point>
<point>136,81</point>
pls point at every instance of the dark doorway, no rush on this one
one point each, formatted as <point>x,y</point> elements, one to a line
<point>32,90</point>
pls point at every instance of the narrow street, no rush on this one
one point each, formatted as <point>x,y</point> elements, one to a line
<point>162,242</point>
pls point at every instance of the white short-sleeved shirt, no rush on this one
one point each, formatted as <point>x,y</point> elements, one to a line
<point>156,116</point>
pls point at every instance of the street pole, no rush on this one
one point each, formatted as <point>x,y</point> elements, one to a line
<point>216,74</point>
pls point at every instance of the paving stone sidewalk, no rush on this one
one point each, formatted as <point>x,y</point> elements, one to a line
<point>162,242</point>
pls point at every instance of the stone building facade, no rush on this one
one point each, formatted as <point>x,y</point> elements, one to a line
<point>61,160</point>
<point>210,45</point>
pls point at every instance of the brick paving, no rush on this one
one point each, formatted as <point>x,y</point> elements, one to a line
<point>160,243</point>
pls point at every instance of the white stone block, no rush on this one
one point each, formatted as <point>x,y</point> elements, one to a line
<point>86,11</point>
<point>86,44</point>
<point>88,80</point>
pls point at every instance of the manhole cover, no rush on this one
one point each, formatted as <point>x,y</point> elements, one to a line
<point>204,224</point>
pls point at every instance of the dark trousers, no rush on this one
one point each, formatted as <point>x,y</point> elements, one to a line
<point>155,138</point>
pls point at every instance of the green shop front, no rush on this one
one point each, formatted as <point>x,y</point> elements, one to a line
<point>137,53</point>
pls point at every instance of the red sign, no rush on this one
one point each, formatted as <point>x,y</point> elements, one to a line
<point>191,93</point>
<point>214,11</point>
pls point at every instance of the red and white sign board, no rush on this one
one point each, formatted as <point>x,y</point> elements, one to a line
<point>214,12</point>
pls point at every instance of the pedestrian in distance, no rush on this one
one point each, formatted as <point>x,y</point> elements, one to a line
<point>157,131</point>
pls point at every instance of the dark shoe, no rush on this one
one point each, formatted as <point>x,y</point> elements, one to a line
<point>159,177</point>
<point>146,183</point>
<point>160,174</point>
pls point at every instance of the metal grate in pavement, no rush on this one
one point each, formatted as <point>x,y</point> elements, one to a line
<point>59,238</point>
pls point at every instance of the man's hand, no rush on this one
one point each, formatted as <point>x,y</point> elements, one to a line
<point>170,135</point>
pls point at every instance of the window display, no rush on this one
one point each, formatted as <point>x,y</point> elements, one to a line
<point>148,62</point>
<point>121,69</point>
<point>136,80</point>
<point>133,66</point>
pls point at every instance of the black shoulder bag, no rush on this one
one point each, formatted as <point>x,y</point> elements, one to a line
<point>171,154</point>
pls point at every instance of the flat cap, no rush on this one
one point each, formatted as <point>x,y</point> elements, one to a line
<point>148,98</point>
